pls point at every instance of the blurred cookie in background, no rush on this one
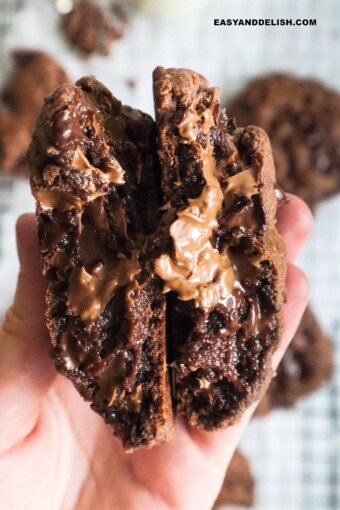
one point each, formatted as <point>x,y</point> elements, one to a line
<point>14,139</point>
<point>238,487</point>
<point>91,28</point>
<point>302,119</point>
<point>34,74</point>
<point>306,366</point>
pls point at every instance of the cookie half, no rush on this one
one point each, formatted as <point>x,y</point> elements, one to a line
<point>218,251</point>
<point>93,173</point>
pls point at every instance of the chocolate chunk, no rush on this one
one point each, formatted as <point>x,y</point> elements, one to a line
<point>306,367</point>
<point>301,118</point>
<point>218,251</point>
<point>91,28</point>
<point>207,268</point>
<point>93,174</point>
<point>35,75</point>
<point>238,486</point>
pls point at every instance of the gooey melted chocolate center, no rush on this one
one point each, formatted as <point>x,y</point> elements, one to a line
<point>195,269</point>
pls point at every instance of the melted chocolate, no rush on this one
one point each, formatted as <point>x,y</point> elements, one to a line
<point>111,257</point>
<point>93,167</point>
<point>222,255</point>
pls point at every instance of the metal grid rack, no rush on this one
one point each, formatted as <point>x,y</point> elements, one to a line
<point>295,454</point>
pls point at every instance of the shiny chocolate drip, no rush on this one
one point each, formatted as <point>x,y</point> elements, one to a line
<point>197,270</point>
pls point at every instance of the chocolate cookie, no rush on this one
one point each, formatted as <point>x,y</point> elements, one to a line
<point>15,136</point>
<point>238,487</point>
<point>301,118</point>
<point>206,269</point>
<point>35,75</point>
<point>91,28</point>
<point>218,251</point>
<point>93,174</point>
<point>306,366</point>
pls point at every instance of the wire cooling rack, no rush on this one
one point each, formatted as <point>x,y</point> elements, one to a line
<point>294,454</point>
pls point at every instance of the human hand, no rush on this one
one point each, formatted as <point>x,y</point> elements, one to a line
<point>57,454</point>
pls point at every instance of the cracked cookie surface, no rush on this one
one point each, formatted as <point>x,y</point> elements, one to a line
<point>161,250</point>
<point>93,176</point>
<point>218,252</point>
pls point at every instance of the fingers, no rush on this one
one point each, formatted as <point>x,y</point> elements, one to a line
<point>298,291</point>
<point>294,222</point>
<point>31,288</point>
<point>25,366</point>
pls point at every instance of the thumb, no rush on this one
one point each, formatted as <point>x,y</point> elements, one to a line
<point>25,366</point>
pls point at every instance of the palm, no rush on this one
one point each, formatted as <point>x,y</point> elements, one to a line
<point>72,459</point>
<point>56,453</point>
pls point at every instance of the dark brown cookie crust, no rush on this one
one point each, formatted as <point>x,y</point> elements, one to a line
<point>110,341</point>
<point>301,118</point>
<point>35,74</point>
<point>306,367</point>
<point>220,354</point>
<point>90,28</point>
<point>107,249</point>
<point>238,487</point>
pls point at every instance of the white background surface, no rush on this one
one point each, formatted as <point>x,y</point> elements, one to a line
<point>295,454</point>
